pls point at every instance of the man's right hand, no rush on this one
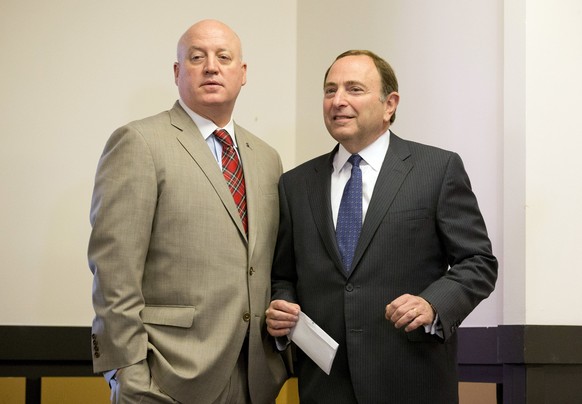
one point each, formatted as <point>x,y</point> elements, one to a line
<point>281,317</point>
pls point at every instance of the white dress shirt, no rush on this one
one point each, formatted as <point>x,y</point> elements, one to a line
<point>372,159</point>
<point>207,128</point>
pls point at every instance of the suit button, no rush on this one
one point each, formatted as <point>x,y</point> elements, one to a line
<point>97,354</point>
<point>246,317</point>
<point>349,287</point>
<point>251,271</point>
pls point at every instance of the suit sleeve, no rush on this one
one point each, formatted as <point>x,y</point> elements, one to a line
<point>122,211</point>
<point>284,275</point>
<point>472,266</point>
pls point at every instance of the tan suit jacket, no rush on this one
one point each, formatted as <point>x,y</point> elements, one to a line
<point>175,279</point>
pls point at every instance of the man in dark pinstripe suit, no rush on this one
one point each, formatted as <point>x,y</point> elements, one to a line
<point>422,262</point>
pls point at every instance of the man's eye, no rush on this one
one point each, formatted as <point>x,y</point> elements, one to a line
<point>196,58</point>
<point>329,91</point>
<point>356,90</point>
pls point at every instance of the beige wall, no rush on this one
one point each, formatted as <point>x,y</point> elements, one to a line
<point>542,143</point>
<point>474,78</point>
<point>553,163</point>
<point>70,73</point>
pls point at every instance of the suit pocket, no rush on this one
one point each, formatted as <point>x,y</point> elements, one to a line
<point>410,215</point>
<point>176,316</point>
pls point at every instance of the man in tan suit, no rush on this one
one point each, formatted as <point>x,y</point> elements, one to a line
<point>181,270</point>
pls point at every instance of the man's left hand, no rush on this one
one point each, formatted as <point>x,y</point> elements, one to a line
<point>410,312</point>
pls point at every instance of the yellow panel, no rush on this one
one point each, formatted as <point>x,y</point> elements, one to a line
<point>94,390</point>
<point>13,390</point>
<point>74,390</point>
<point>289,393</point>
<point>477,393</point>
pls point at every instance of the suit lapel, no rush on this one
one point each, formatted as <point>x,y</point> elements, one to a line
<point>319,194</point>
<point>392,174</point>
<point>193,142</point>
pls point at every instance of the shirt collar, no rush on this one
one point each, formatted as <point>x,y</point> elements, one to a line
<point>206,126</point>
<point>373,155</point>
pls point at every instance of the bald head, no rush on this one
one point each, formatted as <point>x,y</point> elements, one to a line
<point>208,30</point>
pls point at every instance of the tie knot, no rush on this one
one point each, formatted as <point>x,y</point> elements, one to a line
<point>355,160</point>
<point>223,137</point>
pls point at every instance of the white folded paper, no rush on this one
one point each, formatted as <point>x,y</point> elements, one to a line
<point>315,342</point>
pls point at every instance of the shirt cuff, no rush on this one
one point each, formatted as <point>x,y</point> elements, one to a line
<point>282,343</point>
<point>436,328</point>
<point>110,374</point>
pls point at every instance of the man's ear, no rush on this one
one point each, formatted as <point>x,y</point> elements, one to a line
<point>391,104</point>
<point>176,72</point>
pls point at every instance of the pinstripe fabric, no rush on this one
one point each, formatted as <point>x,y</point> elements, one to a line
<point>422,218</point>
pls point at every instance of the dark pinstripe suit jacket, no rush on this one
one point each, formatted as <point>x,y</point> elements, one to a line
<point>423,234</point>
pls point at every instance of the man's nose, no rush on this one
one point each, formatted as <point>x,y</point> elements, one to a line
<point>339,98</point>
<point>211,66</point>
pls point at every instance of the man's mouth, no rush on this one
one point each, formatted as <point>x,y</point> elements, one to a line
<point>211,83</point>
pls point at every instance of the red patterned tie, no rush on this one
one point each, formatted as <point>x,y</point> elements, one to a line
<point>233,174</point>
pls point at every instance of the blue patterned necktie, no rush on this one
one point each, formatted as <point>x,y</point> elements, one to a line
<point>349,220</point>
